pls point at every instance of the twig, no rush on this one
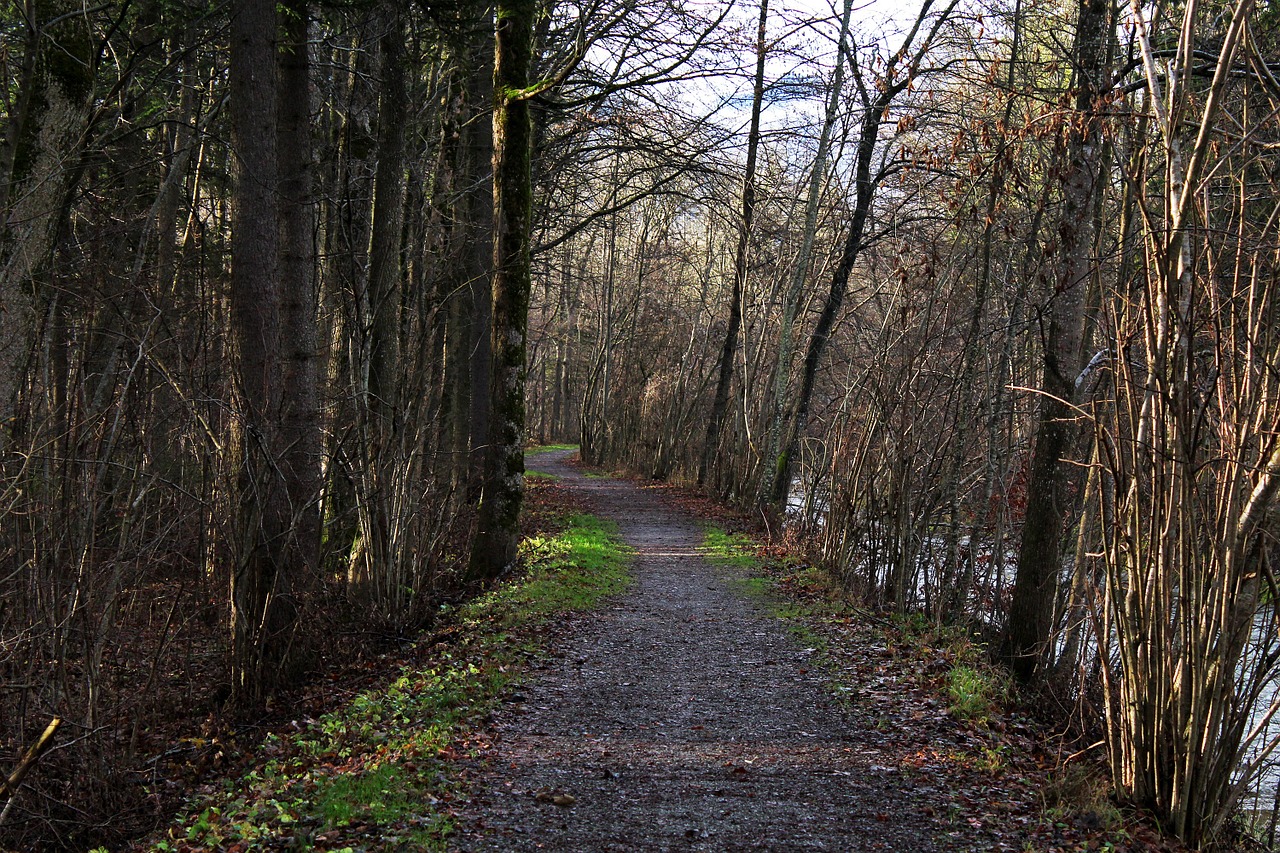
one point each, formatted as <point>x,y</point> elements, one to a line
<point>10,786</point>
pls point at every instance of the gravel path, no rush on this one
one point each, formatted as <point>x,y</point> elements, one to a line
<point>684,717</point>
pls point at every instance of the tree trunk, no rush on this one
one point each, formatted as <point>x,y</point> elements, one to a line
<point>1039,556</point>
<point>263,613</point>
<point>819,338</point>
<point>301,439</point>
<point>463,199</point>
<point>40,163</point>
<point>720,403</point>
<point>782,371</point>
<point>380,404</point>
<point>893,81</point>
<point>384,244</point>
<point>478,259</point>
<point>497,534</point>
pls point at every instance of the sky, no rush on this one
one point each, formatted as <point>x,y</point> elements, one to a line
<point>806,51</point>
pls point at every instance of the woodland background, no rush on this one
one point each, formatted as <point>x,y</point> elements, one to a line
<point>980,299</point>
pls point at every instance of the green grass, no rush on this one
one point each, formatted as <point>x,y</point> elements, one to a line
<point>534,450</point>
<point>737,552</point>
<point>971,692</point>
<point>540,475</point>
<point>731,550</point>
<point>576,569</point>
<point>372,774</point>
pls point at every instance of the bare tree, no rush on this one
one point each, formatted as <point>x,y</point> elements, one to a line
<point>1030,621</point>
<point>729,352</point>
<point>897,75</point>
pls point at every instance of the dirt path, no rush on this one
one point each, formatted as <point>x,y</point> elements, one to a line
<point>685,717</point>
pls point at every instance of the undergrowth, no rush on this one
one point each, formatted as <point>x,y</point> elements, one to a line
<point>376,774</point>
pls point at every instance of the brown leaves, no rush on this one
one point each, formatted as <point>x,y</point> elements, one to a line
<point>555,797</point>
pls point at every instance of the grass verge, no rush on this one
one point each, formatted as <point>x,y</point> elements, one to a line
<point>378,773</point>
<point>535,449</point>
<point>731,550</point>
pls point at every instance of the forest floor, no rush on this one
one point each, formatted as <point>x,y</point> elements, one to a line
<point>709,694</point>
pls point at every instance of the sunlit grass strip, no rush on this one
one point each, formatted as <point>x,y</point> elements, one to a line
<point>547,448</point>
<point>731,550</point>
<point>375,775</point>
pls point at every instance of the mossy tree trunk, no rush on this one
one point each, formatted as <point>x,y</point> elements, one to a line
<point>502,490</point>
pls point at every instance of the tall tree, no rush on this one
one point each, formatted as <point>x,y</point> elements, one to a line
<point>44,135</point>
<point>1030,620</point>
<point>300,434</point>
<point>497,532</point>
<point>728,353</point>
<point>800,272</point>
<point>898,74</point>
<point>464,197</point>
<point>263,613</point>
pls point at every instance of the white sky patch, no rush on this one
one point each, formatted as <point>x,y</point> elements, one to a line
<point>715,86</point>
<point>802,37</point>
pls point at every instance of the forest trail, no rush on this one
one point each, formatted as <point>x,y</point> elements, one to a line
<point>684,716</point>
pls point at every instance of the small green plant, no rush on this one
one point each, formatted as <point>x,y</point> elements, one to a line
<point>972,693</point>
<point>993,758</point>
<point>914,625</point>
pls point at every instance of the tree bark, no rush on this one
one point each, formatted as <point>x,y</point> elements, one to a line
<point>720,403</point>
<point>466,202</point>
<point>263,613</point>
<point>1030,625</point>
<point>301,438</point>
<point>494,547</point>
<point>384,244</point>
<point>40,164</point>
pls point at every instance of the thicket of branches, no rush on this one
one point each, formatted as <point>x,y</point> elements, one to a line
<point>979,304</point>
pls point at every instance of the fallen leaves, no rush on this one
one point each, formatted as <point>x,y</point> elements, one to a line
<point>554,797</point>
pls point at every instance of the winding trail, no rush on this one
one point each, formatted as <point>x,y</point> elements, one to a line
<point>685,717</point>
